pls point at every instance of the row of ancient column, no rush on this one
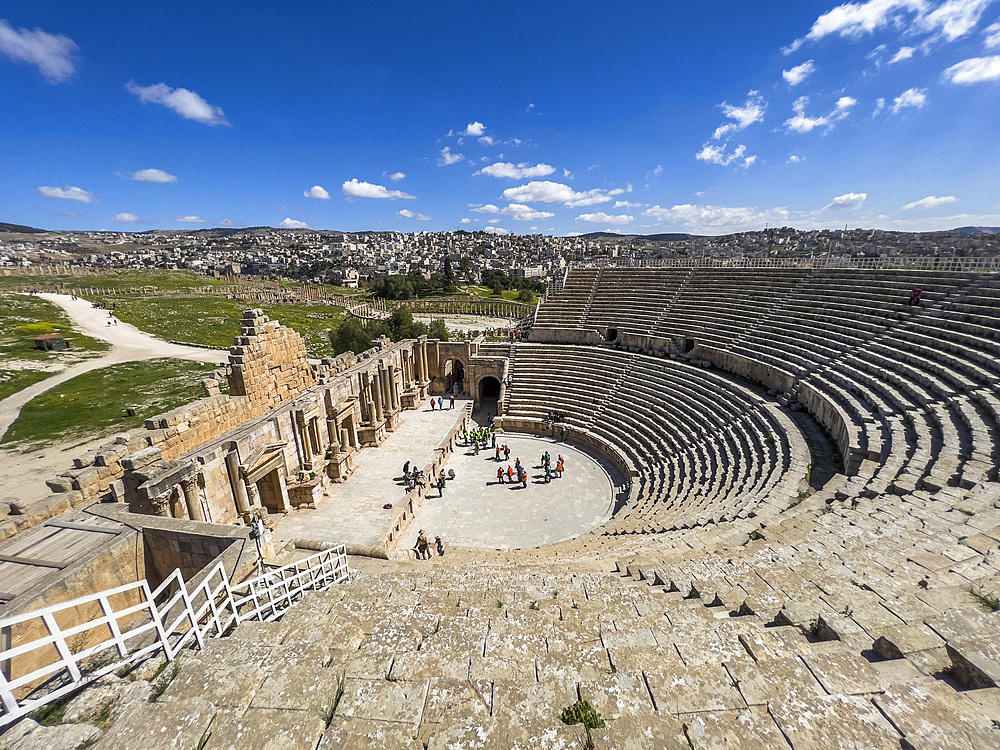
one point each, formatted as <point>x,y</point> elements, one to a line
<point>188,487</point>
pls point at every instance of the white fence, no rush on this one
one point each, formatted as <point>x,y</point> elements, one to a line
<point>914,263</point>
<point>136,621</point>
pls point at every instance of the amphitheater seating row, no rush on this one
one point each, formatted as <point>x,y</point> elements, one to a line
<point>706,448</point>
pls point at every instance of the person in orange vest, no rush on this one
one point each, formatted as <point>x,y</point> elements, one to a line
<point>500,475</point>
<point>559,467</point>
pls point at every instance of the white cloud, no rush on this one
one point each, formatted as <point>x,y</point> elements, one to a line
<point>356,189</point>
<point>796,159</point>
<point>474,129</point>
<point>70,214</point>
<point>954,18</point>
<point>289,223</point>
<point>191,220</point>
<point>567,174</point>
<point>931,201</point>
<point>992,34</point>
<point>879,106</point>
<point>465,220</point>
<point>910,98</point>
<point>521,212</point>
<point>658,171</point>
<point>68,193</point>
<point>487,140</point>
<point>602,218</point>
<point>948,21</point>
<point>125,217</point>
<point>545,191</point>
<point>800,122</point>
<point>742,116</point>
<point>846,201</point>
<point>447,157</point>
<point>152,175</point>
<point>719,155</point>
<point>709,219</point>
<point>317,191</point>
<point>496,230</point>
<point>853,20</point>
<point>397,176</point>
<point>51,53</point>
<point>227,222</point>
<point>974,70</point>
<point>626,204</point>
<point>408,214</point>
<point>517,171</point>
<point>517,211</point>
<point>184,102</point>
<point>795,76</point>
<point>905,53</point>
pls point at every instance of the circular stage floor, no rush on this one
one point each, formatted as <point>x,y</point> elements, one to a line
<point>478,511</point>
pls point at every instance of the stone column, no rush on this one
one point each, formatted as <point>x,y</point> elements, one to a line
<point>383,382</point>
<point>393,387</point>
<point>354,434</point>
<point>345,439</point>
<point>364,398</point>
<point>161,504</point>
<point>236,480</point>
<point>190,488</point>
<point>254,494</point>
<point>376,392</point>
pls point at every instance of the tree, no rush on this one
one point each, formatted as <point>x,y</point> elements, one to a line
<point>525,295</point>
<point>438,330</point>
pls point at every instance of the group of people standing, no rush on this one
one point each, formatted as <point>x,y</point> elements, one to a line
<point>506,476</point>
<point>423,547</point>
<point>439,401</point>
<point>480,437</point>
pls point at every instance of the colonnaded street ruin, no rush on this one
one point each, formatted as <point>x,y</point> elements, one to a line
<point>745,505</point>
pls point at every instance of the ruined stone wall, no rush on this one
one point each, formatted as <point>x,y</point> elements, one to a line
<point>269,363</point>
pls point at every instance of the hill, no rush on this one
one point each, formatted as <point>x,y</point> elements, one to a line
<point>977,230</point>
<point>20,229</point>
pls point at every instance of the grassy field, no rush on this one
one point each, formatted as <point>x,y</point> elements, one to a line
<point>22,318</point>
<point>215,321</point>
<point>94,403</point>
<point>124,279</point>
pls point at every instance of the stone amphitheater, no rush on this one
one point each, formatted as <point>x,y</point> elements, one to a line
<point>801,549</point>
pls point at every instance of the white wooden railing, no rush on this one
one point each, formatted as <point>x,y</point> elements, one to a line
<point>140,622</point>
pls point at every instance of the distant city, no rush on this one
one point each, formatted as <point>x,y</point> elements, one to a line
<point>347,259</point>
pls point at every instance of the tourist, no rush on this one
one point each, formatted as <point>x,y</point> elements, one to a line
<point>510,473</point>
<point>497,455</point>
<point>524,478</point>
<point>493,437</point>
<point>451,401</point>
<point>506,452</point>
<point>500,473</point>
<point>440,546</point>
<point>914,297</point>
<point>423,553</point>
<point>559,467</point>
<point>432,404</point>
<point>441,484</point>
<point>517,465</point>
<point>440,403</point>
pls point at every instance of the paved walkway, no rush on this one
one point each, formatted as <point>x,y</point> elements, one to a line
<point>128,344</point>
<point>353,512</point>
<point>477,511</point>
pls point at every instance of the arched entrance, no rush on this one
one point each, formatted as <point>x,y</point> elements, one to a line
<point>489,394</point>
<point>454,372</point>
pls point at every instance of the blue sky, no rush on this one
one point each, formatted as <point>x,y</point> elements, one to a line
<point>552,117</point>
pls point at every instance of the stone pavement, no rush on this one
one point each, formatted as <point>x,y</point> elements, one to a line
<point>353,513</point>
<point>477,511</point>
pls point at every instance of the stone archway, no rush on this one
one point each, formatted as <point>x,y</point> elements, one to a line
<point>488,393</point>
<point>454,372</point>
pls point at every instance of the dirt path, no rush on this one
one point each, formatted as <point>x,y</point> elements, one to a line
<point>24,475</point>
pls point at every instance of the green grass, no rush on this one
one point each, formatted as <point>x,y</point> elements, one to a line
<point>23,317</point>
<point>215,321</point>
<point>94,403</point>
<point>123,279</point>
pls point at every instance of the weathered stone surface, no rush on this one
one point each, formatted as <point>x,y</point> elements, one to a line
<point>365,734</point>
<point>302,687</point>
<point>29,735</point>
<point>267,729</point>
<point>846,673</point>
<point>822,722</point>
<point>932,711</point>
<point>109,699</point>
<point>384,701</point>
<point>647,732</point>
<point>689,689</point>
<point>772,679</point>
<point>975,661</point>
<point>750,729</point>
<point>226,685</point>
<point>164,726</point>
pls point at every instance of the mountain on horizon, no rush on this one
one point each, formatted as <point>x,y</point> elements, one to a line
<point>977,230</point>
<point>20,229</point>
